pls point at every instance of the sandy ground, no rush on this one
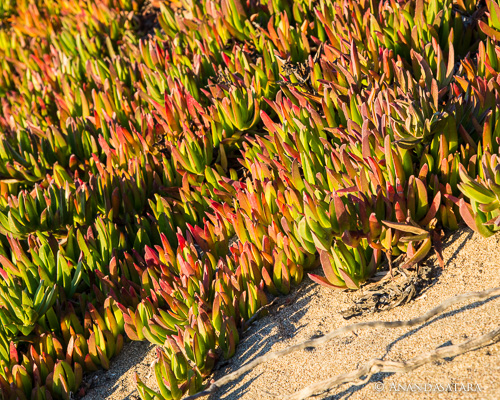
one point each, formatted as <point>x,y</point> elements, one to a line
<point>118,382</point>
<point>472,264</point>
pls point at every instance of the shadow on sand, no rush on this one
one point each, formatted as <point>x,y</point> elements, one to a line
<point>103,383</point>
<point>259,338</point>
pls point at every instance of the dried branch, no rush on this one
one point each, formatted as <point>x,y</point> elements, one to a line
<point>346,329</point>
<point>376,365</point>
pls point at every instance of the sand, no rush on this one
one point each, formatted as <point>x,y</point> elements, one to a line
<point>472,264</point>
<point>118,382</point>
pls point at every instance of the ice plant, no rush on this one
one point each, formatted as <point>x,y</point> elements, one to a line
<point>158,181</point>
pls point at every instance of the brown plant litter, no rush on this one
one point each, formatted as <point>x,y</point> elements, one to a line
<point>472,264</point>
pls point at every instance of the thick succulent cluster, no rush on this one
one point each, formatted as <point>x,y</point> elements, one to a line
<point>165,166</point>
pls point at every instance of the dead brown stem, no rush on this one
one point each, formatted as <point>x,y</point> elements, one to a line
<point>377,365</point>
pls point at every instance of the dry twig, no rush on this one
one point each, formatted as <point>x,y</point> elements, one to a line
<point>351,328</point>
<point>376,365</point>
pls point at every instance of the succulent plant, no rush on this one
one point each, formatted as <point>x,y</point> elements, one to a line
<point>483,213</point>
<point>158,184</point>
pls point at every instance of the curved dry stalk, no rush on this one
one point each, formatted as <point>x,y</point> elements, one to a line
<point>346,329</point>
<point>376,365</point>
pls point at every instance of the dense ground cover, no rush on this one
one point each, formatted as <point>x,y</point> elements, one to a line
<point>165,167</point>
